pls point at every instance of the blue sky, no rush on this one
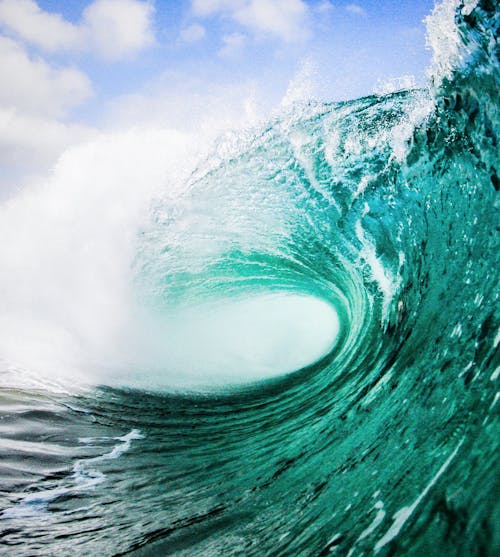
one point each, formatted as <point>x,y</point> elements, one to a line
<point>70,69</point>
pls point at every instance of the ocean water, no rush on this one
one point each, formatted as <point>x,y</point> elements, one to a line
<point>290,351</point>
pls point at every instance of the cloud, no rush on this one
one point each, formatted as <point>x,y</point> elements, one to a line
<point>193,33</point>
<point>33,86</point>
<point>356,10</point>
<point>30,144</point>
<point>285,19</point>
<point>112,29</point>
<point>233,43</point>
<point>34,96</point>
<point>118,28</point>
<point>325,7</point>
<point>48,31</point>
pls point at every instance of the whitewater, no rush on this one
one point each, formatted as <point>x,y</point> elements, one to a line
<point>281,340</point>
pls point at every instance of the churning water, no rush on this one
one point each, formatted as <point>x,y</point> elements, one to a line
<point>294,354</point>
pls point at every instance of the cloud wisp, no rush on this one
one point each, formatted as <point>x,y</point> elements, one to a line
<point>110,29</point>
<point>30,84</point>
<point>356,10</point>
<point>282,19</point>
<point>193,33</point>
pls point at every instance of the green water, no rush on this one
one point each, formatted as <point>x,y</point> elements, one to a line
<point>386,209</point>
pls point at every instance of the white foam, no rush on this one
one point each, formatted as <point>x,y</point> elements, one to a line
<point>70,313</point>
<point>379,517</point>
<point>443,37</point>
<point>387,281</point>
<point>393,84</point>
<point>67,249</point>
<point>401,516</point>
<point>84,477</point>
<point>234,341</point>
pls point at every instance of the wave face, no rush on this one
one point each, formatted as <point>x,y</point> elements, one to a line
<point>375,223</point>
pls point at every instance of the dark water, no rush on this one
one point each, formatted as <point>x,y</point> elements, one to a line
<point>387,208</point>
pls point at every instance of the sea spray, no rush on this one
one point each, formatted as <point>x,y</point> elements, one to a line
<point>382,208</point>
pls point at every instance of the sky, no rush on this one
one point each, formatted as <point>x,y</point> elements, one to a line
<point>73,70</point>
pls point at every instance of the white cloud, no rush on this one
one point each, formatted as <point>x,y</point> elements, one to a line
<point>49,31</point>
<point>118,28</point>
<point>193,33</point>
<point>233,43</point>
<point>325,7</point>
<point>112,29</point>
<point>31,144</point>
<point>285,19</point>
<point>31,85</point>
<point>33,96</point>
<point>205,8</point>
<point>36,97</point>
<point>356,10</point>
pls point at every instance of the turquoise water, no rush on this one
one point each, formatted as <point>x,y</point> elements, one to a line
<point>316,371</point>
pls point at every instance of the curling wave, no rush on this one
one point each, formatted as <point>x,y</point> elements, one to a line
<point>374,223</point>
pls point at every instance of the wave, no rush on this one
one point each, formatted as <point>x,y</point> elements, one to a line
<point>304,328</point>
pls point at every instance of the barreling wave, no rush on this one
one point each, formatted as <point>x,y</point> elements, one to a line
<point>376,219</point>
